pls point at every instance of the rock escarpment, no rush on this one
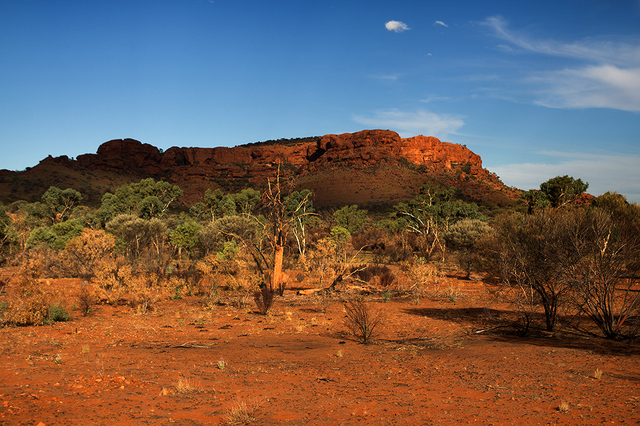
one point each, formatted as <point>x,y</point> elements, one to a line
<point>369,166</point>
<point>365,147</point>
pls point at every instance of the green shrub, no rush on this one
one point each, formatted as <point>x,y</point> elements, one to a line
<point>57,313</point>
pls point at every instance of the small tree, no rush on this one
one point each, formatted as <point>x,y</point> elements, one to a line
<point>83,253</point>
<point>300,206</point>
<point>351,218</point>
<point>130,233</point>
<point>340,237</point>
<point>604,278</point>
<point>147,198</point>
<point>464,236</point>
<point>537,251</point>
<point>281,218</point>
<point>430,214</point>
<point>59,203</point>
<point>56,236</point>
<point>5,229</point>
<point>563,190</point>
<point>185,235</point>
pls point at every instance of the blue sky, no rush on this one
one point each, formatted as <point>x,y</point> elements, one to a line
<point>536,88</point>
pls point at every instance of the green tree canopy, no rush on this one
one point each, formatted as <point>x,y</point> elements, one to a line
<point>147,198</point>
<point>134,234</point>
<point>185,235</point>
<point>58,204</point>
<point>464,237</point>
<point>430,213</point>
<point>56,236</point>
<point>351,218</point>
<point>563,190</point>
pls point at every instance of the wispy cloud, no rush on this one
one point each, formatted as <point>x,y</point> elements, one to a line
<point>434,98</point>
<point>613,172</point>
<point>409,124</point>
<point>603,86</point>
<point>607,75</point>
<point>396,26</point>
<point>440,23</point>
<point>602,51</point>
<point>384,77</point>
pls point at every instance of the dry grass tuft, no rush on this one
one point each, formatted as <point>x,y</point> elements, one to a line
<point>239,414</point>
<point>563,407</point>
<point>187,386</point>
<point>597,374</point>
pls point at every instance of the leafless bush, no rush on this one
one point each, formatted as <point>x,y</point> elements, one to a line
<point>264,300</point>
<point>373,240</point>
<point>387,279</point>
<point>604,279</point>
<point>361,320</point>
<point>86,299</point>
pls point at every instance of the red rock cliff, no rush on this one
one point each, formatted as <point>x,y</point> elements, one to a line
<point>367,146</point>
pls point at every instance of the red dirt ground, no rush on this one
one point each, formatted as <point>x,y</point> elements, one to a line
<point>299,366</point>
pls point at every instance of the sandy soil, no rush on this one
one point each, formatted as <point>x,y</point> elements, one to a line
<point>183,365</point>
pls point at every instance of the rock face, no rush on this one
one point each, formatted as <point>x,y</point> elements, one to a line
<point>363,166</point>
<point>366,147</point>
<point>427,150</point>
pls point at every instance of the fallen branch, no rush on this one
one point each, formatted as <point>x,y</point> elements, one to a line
<point>190,345</point>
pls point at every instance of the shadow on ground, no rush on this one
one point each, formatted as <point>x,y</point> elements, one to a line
<point>501,325</point>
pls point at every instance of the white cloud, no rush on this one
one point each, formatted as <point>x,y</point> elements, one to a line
<point>409,124</point>
<point>603,86</point>
<point>396,26</point>
<point>622,54</point>
<point>617,172</point>
<point>441,23</point>
<point>611,78</point>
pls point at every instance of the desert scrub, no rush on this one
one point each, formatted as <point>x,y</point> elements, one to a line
<point>30,306</point>
<point>597,374</point>
<point>239,414</point>
<point>264,300</point>
<point>116,282</point>
<point>423,276</point>
<point>186,386</point>
<point>450,292</point>
<point>112,277</point>
<point>83,253</point>
<point>361,320</point>
<point>144,294</point>
<point>86,299</point>
<point>57,313</point>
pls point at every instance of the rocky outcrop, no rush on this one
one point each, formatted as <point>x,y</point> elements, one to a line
<point>366,147</point>
<point>374,165</point>
<point>124,154</point>
<point>427,150</point>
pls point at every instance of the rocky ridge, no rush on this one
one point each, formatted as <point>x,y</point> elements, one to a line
<point>384,165</point>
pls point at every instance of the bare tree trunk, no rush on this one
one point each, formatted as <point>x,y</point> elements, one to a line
<point>277,266</point>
